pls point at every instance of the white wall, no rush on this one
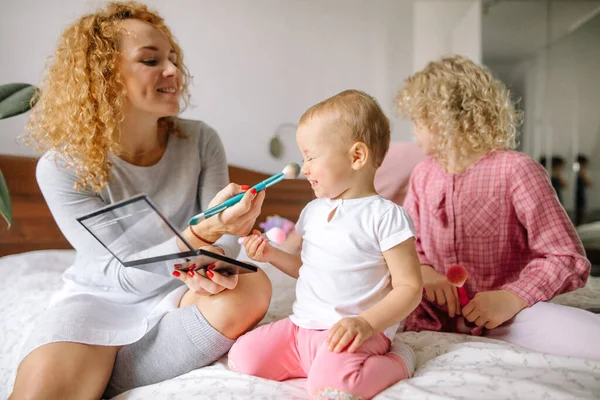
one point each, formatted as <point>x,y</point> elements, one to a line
<point>467,34</point>
<point>512,76</point>
<point>28,34</point>
<point>446,27</point>
<point>256,63</point>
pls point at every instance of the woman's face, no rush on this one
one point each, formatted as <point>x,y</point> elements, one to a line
<point>148,67</point>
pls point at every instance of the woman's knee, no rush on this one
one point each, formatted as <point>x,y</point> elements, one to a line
<point>64,370</point>
<point>36,379</point>
<point>234,312</point>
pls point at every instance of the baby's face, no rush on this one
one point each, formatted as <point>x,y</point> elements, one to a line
<point>327,160</point>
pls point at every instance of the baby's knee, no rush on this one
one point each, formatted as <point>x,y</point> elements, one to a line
<point>333,384</point>
<point>236,360</point>
<point>243,358</point>
<point>359,376</point>
<point>332,393</point>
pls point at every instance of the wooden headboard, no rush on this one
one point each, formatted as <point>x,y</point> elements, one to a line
<point>33,227</point>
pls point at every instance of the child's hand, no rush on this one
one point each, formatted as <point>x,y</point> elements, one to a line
<point>493,308</point>
<point>257,247</point>
<point>439,290</point>
<point>342,333</point>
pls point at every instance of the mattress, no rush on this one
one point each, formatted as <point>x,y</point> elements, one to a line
<point>448,366</point>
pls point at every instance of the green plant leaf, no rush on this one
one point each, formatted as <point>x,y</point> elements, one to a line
<point>5,205</point>
<point>15,99</point>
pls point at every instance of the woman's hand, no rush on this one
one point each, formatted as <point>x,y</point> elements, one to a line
<point>257,247</point>
<point>236,220</point>
<point>212,283</point>
<point>439,290</point>
<point>240,218</point>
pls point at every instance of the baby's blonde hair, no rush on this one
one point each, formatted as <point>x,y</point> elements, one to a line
<point>462,105</point>
<point>361,116</point>
<point>80,106</point>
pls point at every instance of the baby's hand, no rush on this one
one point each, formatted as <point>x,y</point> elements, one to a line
<point>257,247</point>
<point>342,333</point>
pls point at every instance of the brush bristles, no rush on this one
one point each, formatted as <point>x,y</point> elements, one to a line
<point>457,275</point>
<point>291,171</point>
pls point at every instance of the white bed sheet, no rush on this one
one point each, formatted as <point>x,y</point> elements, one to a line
<point>448,366</point>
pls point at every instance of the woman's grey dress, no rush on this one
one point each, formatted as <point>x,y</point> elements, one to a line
<point>102,302</point>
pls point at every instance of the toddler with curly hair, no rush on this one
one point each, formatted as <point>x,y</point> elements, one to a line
<point>476,202</point>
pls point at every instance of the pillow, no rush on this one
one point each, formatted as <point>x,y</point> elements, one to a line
<point>392,177</point>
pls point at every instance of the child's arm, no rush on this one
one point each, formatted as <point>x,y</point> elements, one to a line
<point>285,262</point>
<point>258,249</point>
<point>407,288</point>
<point>558,264</point>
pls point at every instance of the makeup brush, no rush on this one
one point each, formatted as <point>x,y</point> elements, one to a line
<point>290,171</point>
<point>457,275</point>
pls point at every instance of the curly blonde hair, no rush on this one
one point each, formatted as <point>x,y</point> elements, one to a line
<point>79,109</point>
<point>462,105</point>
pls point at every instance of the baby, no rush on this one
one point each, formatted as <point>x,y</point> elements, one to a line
<point>358,272</point>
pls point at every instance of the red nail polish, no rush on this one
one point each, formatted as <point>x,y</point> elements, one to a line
<point>211,266</point>
<point>210,274</point>
<point>192,267</point>
<point>245,187</point>
<point>191,273</point>
<point>176,274</point>
<point>253,191</point>
<point>177,266</point>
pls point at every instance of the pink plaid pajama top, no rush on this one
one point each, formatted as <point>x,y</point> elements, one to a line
<point>502,221</point>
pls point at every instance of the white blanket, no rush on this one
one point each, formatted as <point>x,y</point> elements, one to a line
<point>448,366</point>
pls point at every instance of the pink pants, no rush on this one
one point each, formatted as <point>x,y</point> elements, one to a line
<point>281,351</point>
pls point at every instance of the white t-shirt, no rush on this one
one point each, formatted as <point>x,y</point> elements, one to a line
<point>343,271</point>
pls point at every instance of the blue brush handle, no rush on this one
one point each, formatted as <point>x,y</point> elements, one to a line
<point>273,180</point>
<point>235,199</point>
